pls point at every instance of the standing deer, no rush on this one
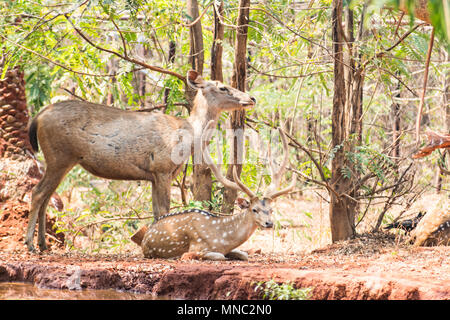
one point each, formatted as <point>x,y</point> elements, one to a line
<point>214,237</point>
<point>122,145</point>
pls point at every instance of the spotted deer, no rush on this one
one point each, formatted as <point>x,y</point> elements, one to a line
<point>433,229</point>
<point>122,145</point>
<point>211,236</point>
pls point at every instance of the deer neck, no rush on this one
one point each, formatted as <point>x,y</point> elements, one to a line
<point>239,228</point>
<point>201,114</point>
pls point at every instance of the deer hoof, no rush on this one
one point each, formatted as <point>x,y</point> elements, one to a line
<point>30,246</point>
<point>31,249</point>
<point>237,255</point>
<point>43,247</point>
<point>216,256</point>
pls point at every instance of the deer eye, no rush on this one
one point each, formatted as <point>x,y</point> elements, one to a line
<point>224,89</point>
<point>254,210</point>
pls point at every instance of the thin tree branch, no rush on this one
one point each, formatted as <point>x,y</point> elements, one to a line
<point>188,25</point>
<point>401,39</point>
<point>125,51</point>
<point>129,59</point>
<point>163,105</point>
<point>288,77</point>
<point>290,29</point>
<point>382,53</point>
<point>398,23</point>
<point>307,151</point>
<point>73,94</point>
<point>55,62</point>
<point>399,80</point>
<point>425,82</point>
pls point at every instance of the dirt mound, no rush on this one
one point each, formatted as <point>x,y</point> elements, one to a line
<point>17,180</point>
<point>13,217</point>
<point>401,272</point>
<point>366,244</point>
<point>13,225</point>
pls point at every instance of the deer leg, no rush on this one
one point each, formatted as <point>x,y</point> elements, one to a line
<point>237,255</point>
<point>39,201</point>
<point>155,204</point>
<point>32,220</point>
<point>42,225</point>
<point>161,194</point>
<point>202,249</point>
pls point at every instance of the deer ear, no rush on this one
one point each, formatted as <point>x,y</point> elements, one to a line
<point>242,203</point>
<point>194,80</point>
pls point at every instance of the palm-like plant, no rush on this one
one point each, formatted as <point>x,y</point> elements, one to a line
<point>14,142</point>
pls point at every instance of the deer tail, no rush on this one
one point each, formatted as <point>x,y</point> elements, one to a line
<point>32,134</point>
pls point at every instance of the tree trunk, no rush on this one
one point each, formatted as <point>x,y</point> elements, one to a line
<point>217,48</point>
<point>171,59</point>
<point>355,80</point>
<point>196,56</point>
<point>201,174</point>
<point>355,99</point>
<point>342,207</point>
<point>238,117</point>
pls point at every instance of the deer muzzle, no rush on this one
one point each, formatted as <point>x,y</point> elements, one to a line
<point>268,224</point>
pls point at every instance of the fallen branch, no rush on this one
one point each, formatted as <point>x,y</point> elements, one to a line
<point>435,141</point>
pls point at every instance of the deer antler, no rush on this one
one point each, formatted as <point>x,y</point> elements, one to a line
<point>272,192</point>
<point>237,185</point>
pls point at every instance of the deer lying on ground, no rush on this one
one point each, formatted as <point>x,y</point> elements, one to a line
<point>210,236</point>
<point>122,145</point>
<point>433,229</point>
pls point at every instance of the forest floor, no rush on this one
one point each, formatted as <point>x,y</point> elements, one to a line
<point>372,266</point>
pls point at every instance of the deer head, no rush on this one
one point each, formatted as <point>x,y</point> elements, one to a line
<point>210,236</point>
<point>261,211</point>
<point>259,207</point>
<point>219,96</point>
